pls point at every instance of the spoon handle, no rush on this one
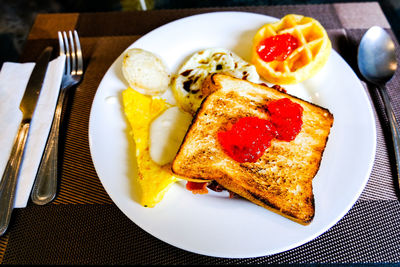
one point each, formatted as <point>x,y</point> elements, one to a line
<point>394,127</point>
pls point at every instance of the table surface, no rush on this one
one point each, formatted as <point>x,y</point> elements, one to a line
<point>83,226</point>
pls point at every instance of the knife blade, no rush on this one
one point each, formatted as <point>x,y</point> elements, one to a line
<point>27,106</point>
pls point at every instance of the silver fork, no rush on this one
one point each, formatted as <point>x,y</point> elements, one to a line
<point>45,186</point>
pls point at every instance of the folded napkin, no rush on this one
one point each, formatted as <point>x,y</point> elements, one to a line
<point>13,80</point>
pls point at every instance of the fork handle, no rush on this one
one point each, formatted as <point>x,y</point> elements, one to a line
<point>45,187</point>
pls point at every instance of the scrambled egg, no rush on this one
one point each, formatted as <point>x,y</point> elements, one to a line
<point>154,180</point>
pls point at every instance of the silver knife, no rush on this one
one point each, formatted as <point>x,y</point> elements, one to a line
<point>27,106</point>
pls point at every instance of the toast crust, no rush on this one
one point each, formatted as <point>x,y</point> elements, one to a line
<point>281,180</point>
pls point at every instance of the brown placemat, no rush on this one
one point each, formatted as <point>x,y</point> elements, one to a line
<point>83,226</point>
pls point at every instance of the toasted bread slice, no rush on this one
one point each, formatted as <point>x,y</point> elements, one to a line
<point>281,180</point>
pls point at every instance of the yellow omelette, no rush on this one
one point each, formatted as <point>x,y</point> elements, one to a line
<point>154,180</point>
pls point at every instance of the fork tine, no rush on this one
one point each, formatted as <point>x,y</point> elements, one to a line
<point>73,55</point>
<point>68,54</point>
<point>78,54</point>
<point>61,43</point>
<point>62,48</point>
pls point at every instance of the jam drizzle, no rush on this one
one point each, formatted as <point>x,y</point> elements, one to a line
<point>286,116</point>
<point>249,137</point>
<point>277,47</point>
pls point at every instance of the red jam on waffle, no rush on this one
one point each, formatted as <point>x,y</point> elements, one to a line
<point>277,47</point>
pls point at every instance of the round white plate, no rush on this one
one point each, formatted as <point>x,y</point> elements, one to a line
<point>213,224</point>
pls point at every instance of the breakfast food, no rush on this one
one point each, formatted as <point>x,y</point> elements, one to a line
<point>166,134</point>
<point>154,179</point>
<point>255,141</point>
<point>145,72</point>
<point>276,167</point>
<point>291,50</point>
<point>187,83</point>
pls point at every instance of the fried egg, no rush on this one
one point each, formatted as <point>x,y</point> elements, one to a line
<point>188,81</point>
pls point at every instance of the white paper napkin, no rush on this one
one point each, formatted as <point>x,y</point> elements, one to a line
<point>13,80</point>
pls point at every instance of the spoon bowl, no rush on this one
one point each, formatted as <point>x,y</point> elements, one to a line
<point>376,56</point>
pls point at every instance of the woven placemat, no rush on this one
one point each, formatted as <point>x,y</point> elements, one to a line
<point>83,226</point>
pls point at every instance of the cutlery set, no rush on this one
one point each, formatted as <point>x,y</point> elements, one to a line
<point>27,106</point>
<point>45,186</point>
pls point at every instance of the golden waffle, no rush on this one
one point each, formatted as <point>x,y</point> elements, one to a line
<point>305,61</point>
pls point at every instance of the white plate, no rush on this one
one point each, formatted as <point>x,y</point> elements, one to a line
<point>213,224</point>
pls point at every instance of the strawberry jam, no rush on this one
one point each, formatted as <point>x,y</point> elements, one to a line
<point>286,116</point>
<point>248,138</point>
<point>277,47</point>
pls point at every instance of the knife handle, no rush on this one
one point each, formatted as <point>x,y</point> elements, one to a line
<point>9,180</point>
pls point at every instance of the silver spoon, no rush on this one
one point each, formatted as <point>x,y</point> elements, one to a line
<point>377,63</point>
